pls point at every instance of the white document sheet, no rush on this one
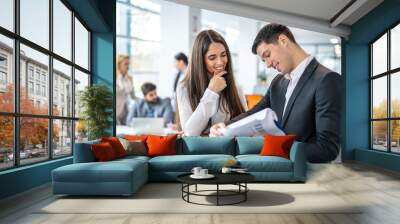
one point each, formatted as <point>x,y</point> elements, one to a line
<point>260,123</point>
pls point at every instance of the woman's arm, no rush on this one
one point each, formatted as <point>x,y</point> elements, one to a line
<point>194,122</point>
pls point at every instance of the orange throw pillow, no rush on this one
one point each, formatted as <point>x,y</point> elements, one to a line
<point>161,145</point>
<point>136,137</point>
<point>277,145</point>
<point>103,152</point>
<point>116,145</point>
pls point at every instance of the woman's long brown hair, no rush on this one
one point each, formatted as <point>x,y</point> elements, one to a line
<point>196,80</point>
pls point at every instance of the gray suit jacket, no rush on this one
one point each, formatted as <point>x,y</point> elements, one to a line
<point>312,113</point>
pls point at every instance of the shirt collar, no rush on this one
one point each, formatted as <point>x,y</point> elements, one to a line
<point>299,70</point>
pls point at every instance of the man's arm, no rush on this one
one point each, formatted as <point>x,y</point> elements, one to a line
<point>132,111</point>
<point>168,115</point>
<point>326,146</point>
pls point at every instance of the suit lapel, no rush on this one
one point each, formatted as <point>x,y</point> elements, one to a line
<point>281,99</point>
<point>303,79</point>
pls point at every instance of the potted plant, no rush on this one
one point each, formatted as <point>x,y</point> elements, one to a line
<point>96,103</point>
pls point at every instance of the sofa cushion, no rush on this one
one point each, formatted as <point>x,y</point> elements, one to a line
<point>116,145</point>
<point>134,147</point>
<point>249,145</point>
<point>257,163</point>
<point>185,163</point>
<point>112,171</point>
<point>131,158</point>
<point>277,145</point>
<point>206,145</point>
<point>103,152</point>
<point>161,145</point>
<point>136,137</point>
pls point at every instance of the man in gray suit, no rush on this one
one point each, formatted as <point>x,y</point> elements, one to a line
<point>150,106</point>
<point>306,96</point>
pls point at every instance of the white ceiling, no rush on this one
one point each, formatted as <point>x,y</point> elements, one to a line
<point>320,9</point>
<point>314,15</point>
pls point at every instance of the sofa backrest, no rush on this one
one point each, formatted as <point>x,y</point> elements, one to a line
<point>249,145</point>
<point>189,146</point>
<point>206,145</point>
<point>83,152</point>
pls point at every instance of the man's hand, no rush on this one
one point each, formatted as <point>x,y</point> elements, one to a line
<point>215,130</point>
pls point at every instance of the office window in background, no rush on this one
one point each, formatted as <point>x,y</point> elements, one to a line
<point>138,36</point>
<point>34,120</point>
<point>385,96</point>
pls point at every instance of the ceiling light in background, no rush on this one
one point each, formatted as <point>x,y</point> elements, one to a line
<point>334,40</point>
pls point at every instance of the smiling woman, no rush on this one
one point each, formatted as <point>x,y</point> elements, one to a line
<point>208,94</point>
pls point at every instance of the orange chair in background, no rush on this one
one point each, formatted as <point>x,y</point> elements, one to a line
<point>252,100</point>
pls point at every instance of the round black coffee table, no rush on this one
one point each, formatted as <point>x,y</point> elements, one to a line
<point>238,179</point>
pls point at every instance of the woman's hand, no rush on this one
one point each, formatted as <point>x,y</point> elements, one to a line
<point>215,130</point>
<point>217,82</point>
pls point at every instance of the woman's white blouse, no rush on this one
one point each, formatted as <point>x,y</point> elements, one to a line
<point>194,122</point>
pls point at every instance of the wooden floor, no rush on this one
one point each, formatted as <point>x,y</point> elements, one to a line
<point>378,188</point>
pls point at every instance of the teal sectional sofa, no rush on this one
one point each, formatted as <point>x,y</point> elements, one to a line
<point>125,176</point>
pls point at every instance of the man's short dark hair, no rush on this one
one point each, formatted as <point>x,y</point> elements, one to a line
<point>181,57</point>
<point>148,87</point>
<point>270,33</point>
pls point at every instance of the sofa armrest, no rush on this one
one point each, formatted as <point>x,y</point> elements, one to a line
<point>83,153</point>
<point>298,157</point>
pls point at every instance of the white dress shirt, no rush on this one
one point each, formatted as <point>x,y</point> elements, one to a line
<point>194,122</point>
<point>294,77</point>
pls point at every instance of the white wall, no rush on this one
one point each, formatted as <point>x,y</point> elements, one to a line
<point>174,38</point>
<point>246,76</point>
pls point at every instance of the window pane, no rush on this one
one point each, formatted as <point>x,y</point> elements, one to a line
<point>81,131</point>
<point>395,47</point>
<point>6,142</point>
<point>7,14</point>
<point>35,21</point>
<point>62,138</point>
<point>62,89</point>
<point>145,56</point>
<point>379,135</point>
<point>379,97</point>
<point>33,139</point>
<point>81,81</point>
<point>62,29</point>
<point>395,129</point>
<point>144,25</point>
<point>81,45</point>
<point>123,11</point>
<point>395,94</point>
<point>6,74</point>
<point>379,55</point>
<point>34,72</point>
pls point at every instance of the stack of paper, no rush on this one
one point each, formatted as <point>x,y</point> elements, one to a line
<point>260,123</point>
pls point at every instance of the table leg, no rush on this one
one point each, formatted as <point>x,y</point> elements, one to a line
<point>217,194</point>
<point>245,193</point>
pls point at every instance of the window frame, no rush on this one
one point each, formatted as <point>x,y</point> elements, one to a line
<point>129,38</point>
<point>16,115</point>
<point>388,74</point>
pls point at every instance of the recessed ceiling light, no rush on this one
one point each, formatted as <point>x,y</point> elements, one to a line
<point>334,40</point>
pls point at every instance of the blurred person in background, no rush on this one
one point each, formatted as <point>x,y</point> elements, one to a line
<point>125,91</point>
<point>151,106</point>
